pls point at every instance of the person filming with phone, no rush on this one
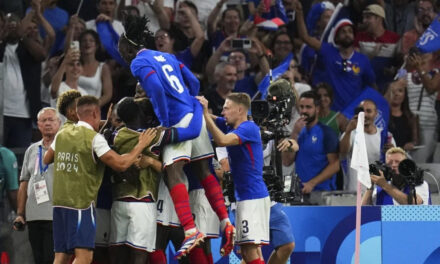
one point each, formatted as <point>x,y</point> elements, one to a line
<point>391,186</point>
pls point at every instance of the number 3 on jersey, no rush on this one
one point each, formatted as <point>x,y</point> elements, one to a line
<point>172,79</point>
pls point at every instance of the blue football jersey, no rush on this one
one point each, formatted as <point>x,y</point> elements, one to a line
<point>168,84</point>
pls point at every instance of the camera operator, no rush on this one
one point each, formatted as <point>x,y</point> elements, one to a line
<point>317,160</point>
<point>394,192</point>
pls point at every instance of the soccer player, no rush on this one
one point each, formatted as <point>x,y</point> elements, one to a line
<point>172,87</point>
<point>245,149</point>
<point>79,154</point>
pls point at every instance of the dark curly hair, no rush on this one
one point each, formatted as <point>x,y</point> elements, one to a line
<point>137,32</point>
<point>67,100</point>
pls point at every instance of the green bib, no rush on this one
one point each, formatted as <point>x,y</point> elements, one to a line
<point>133,182</point>
<point>77,171</point>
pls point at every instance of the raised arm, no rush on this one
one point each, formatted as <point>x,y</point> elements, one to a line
<point>302,30</point>
<point>162,16</point>
<point>32,45</point>
<point>71,56</point>
<point>225,46</point>
<point>212,18</point>
<point>220,138</point>
<point>50,32</point>
<point>107,85</point>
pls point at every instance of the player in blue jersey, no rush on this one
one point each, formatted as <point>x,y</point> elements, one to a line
<point>171,88</point>
<point>243,142</point>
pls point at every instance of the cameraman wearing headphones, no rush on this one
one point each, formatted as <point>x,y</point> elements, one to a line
<point>394,192</point>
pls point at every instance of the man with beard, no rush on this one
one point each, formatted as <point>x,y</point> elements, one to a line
<point>426,13</point>
<point>379,44</point>
<point>348,71</point>
<point>317,159</point>
<point>372,139</point>
<point>394,192</point>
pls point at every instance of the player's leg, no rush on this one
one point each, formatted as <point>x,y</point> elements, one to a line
<point>83,256</point>
<point>62,258</point>
<point>281,236</point>
<point>200,152</point>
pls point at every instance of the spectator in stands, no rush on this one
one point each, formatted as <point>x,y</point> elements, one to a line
<point>394,192</point>
<point>35,206</point>
<point>400,15</point>
<point>328,117</point>
<point>317,159</point>
<point>70,70</point>
<point>229,24</point>
<point>165,40</point>
<point>225,79</point>
<point>154,10</point>
<point>379,44</point>
<point>348,71</point>
<point>21,53</point>
<point>317,20</point>
<point>74,29</point>
<point>95,79</point>
<point>57,18</point>
<point>425,14</point>
<point>238,57</point>
<point>373,141</point>
<point>282,46</point>
<point>106,9</point>
<point>423,85</point>
<point>403,124</point>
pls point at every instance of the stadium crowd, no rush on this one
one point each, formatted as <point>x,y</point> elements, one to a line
<point>145,97</point>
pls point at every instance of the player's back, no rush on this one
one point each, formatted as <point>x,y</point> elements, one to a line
<point>167,69</point>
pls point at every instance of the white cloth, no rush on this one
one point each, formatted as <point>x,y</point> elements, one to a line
<point>92,85</point>
<point>359,158</point>
<point>117,26</point>
<point>15,103</point>
<point>64,88</point>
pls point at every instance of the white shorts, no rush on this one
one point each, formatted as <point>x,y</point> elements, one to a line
<point>252,221</point>
<point>205,218</point>
<point>166,214</point>
<point>102,227</point>
<point>134,224</point>
<point>190,150</point>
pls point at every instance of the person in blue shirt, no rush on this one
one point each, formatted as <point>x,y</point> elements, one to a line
<point>347,70</point>
<point>245,150</point>
<point>171,88</point>
<point>317,159</point>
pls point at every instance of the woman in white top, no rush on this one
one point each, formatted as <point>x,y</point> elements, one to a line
<point>95,78</point>
<point>72,68</point>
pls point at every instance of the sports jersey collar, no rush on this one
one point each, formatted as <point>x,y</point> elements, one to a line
<point>140,51</point>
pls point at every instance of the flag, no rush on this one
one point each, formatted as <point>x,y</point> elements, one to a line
<point>280,11</point>
<point>383,111</point>
<point>109,39</point>
<point>359,158</point>
<point>276,73</point>
<point>271,24</point>
<point>430,41</point>
<point>339,13</point>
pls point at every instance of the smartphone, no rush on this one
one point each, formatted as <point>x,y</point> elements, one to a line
<point>241,43</point>
<point>74,45</point>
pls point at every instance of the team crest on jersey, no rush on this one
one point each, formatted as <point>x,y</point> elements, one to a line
<point>160,58</point>
<point>314,139</point>
<point>356,69</point>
